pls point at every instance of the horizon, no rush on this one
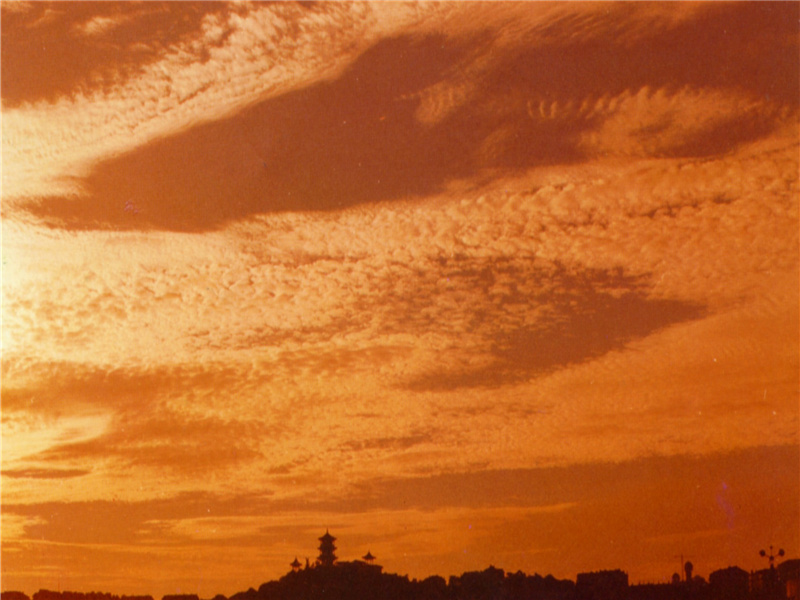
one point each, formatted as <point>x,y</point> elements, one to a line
<point>775,557</point>
<point>471,284</point>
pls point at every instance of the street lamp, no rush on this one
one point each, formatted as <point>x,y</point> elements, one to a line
<point>770,582</point>
<point>771,556</point>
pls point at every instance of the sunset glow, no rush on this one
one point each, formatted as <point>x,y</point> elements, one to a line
<point>465,283</point>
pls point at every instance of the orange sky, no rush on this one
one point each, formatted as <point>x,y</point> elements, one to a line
<point>468,284</point>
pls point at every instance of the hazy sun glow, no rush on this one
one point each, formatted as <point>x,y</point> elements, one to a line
<point>466,283</point>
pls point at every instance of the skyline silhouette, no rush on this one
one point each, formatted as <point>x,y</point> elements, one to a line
<point>332,578</point>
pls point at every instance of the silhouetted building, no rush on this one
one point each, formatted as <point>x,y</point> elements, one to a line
<point>728,584</point>
<point>433,588</point>
<point>10,595</point>
<point>295,564</point>
<point>675,590</point>
<point>368,558</point>
<point>602,585</point>
<point>789,574</point>
<point>479,585</point>
<point>521,586</point>
<point>765,585</point>
<point>327,550</point>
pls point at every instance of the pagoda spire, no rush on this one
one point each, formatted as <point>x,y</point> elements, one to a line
<point>368,558</point>
<point>327,550</point>
<point>295,564</point>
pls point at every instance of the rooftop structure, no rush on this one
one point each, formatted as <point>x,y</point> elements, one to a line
<point>327,550</point>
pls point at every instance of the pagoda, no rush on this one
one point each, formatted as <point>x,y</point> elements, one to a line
<point>295,565</point>
<point>326,550</point>
<point>368,558</point>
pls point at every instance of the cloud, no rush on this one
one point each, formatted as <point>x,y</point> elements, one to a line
<point>44,473</point>
<point>100,25</point>
<point>165,442</point>
<point>122,419</point>
<point>233,60</point>
<point>14,525</point>
<point>328,146</point>
<point>26,433</point>
<point>46,18</point>
<point>52,54</point>
<point>660,123</point>
<point>515,519</point>
<point>502,125</point>
<point>582,316</point>
<point>18,6</point>
<point>316,317</point>
<point>389,442</point>
<point>70,388</point>
<point>120,522</point>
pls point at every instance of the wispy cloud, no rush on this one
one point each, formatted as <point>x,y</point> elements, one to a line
<point>33,473</point>
<point>100,25</point>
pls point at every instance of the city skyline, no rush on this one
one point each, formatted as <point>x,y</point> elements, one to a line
<point>777,580</point>
<point>470,284</point>
<point>327,562</point>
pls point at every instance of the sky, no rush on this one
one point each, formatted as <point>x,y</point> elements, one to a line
<point>467,284</point>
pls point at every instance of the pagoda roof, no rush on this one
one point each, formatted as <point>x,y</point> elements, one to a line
<point>296,563</point>
<point>368,556</point>
<point>327,537</point>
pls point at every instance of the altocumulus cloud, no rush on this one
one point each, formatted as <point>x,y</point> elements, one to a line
<point>370,264</point>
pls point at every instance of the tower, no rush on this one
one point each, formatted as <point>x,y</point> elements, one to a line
<point>326,550</point>
<point>295,565</point>
<point>368,558</point>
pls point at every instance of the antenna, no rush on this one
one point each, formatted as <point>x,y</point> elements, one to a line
<point>682,569</point>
